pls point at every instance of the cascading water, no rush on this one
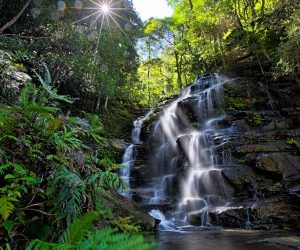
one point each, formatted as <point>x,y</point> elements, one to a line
<point>200,185</point>
<point>128,157</point>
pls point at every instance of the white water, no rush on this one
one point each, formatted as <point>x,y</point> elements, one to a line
<point>128,157</point>
<point>202,188</point>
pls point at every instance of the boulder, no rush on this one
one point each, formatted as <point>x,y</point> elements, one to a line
<point>283,164</point>
<point>13,76</point>
<point>118,144</point>
<point>240,177</point>
<point>121,207</point>
<point>275,213</point>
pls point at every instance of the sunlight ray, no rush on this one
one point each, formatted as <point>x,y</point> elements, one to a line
<point>118,25</point>
<point>95,3</point>
<point>109,28</point>
<point>93,14</point>
<point>98,41</point>
<point>121,17</point>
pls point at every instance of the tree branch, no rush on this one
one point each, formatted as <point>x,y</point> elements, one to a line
<point>15,18</point>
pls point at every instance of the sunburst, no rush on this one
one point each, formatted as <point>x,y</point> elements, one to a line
<point>107,12</point>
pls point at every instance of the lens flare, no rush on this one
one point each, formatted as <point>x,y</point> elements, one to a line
<point>105,8</point>
<point>106,15</point>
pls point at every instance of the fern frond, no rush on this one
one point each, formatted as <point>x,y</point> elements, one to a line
<point>108,239</point>
<point>42,245</point>
<point>51,91</point>
<point>79,229</point>
<point>6,206</point>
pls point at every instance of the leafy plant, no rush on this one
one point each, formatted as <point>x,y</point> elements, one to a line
<point>127,225</point>
<point>255,119</point>
<point>82,235</point>
<point>292,141</point>
<point>46,83</point>
<point>16,182</point>
<point>20,67</point>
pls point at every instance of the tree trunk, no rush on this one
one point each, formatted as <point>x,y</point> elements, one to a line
<point>178,71</point>
<point>15,18</point>
<point>106,103</point>
<point>98,104</point>
<point>191,4</point>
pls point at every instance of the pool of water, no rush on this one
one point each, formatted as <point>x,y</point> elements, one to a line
<point>219,240</point>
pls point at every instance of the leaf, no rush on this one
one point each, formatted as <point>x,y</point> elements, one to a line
<point>79,229</point>
<point>8,225</point>
<point>31,180</point>
<point>9,176</point>
<point>51,91</point>
<point>8,247</point>
<point>9,137</point>
<point>6,206</point>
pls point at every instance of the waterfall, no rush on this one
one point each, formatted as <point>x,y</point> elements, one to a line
<point>128,157</point>
<point>201,188</point>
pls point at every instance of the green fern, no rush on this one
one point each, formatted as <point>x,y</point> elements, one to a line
<point>51,90</point>
<point>6,206</point>
<point>68,190</point>
<point>80,236</point>
<point>100,179</point>
<point>79,229</point>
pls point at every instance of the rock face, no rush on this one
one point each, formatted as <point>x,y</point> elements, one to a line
<point>121,207</point>
<point>262,125</point>
<point>13,76</point>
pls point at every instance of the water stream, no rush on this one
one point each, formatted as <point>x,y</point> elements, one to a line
<point>128,157</point>
<point>200,185</point>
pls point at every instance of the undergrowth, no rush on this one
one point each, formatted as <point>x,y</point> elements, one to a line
<point>51,172</point>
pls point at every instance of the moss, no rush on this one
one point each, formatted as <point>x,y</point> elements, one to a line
<point>19,67</point>
<point>127,225</point>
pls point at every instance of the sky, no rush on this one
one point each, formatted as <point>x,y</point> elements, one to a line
<point>152,8</point>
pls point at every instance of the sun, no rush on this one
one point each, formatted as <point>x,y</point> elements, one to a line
<point>105,8</point>
<point>107,12</point>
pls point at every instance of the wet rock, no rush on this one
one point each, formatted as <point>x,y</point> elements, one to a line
<point>240,177</point>
<point>295,192</point>
<point>139,174</point>
<point>288,242</point>
<point>273,213</point>
<point>118,144</point>
<point>285,165</point>
<point>194,219</point>
<point>278,146</point>
<point>234,217</point>
<point>115,201</point>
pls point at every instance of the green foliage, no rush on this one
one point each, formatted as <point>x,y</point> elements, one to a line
<point>109,164</point>
<point>48,173</point>
<point>80,235</point>
<point>127,225</point>
<point>68,41</point>
<point>289,58</point>
<point>204,36</point>
<point>255,119</point>
<point>46,83</point>
<point>292,141</point>
<point>20,67</point>
<point>236,103</point>
<point>17,180</point>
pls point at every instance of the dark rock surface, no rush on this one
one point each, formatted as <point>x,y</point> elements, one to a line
<point>115,202</point>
